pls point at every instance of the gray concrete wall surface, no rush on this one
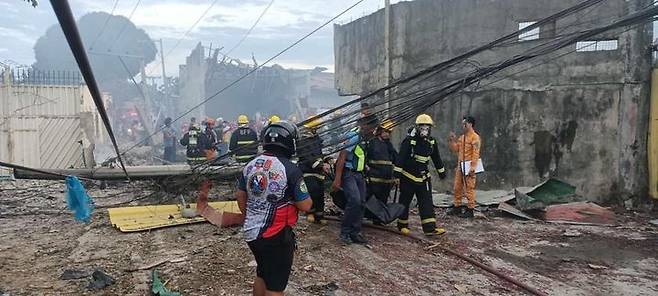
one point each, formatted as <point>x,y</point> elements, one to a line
<point>192,84</point>
<point>578,116</point>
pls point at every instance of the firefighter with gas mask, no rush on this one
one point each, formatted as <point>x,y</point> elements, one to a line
<point>412,167</point>
<point>197,143</point>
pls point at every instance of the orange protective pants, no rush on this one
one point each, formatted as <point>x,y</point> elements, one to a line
<point>464,188</point>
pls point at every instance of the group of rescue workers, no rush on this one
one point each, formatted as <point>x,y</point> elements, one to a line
<point>206,142</point>
<point>272,188</point>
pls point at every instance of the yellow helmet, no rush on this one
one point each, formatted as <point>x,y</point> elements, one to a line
<point>313,123</point>
<point>424,119</point>
<point>243,119</point>
<point>274,119</point>
<point>387,124</point>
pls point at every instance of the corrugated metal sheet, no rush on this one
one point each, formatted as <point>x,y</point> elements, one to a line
<point>41,142</point>
<point>19,139</point>
<point>40,100</point>
<point>58,140</point>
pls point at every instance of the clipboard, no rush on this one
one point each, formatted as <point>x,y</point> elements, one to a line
<point>466,166</point>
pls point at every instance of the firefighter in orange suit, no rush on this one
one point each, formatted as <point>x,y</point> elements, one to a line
<point>467,148</point>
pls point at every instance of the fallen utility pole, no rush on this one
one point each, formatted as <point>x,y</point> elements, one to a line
<point>70,29</point>
<point>223,173</point>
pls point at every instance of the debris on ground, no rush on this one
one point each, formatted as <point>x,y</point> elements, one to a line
<point>597,267</point>
<point>199,256</point>
<point>158,287</point>
<point>586,213</point>
<point>572,233</point>
<point>482,198</point>
<point>549,192</point>
<point>157,263</point>
<point>654,222</point>
<point>141,218</point>
<point>507,208</point>
<point>73,274</point>
<point>100,280</point>
<point>461,288</point>
<point>321,289</point>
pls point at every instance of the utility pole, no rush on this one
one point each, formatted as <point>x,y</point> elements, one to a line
<point>165,85</point>
<point>387,52</point>
<point>164,76</point>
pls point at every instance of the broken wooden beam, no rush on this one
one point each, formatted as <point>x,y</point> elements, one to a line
<point>136,172</point>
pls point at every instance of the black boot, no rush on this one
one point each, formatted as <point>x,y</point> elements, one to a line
<point>468,213</point>
<point>455,211</point>
<point>359,239</point>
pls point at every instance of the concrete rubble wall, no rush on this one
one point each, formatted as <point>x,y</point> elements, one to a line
<point>192,84</point>
<point>582,118</point>
<point>268,90</point>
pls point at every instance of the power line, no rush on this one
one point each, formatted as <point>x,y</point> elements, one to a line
<point>250,72</point>
<point>187,32</point>
<point>107,20</point>
<point>411,104</point>
<point>130,16</point>
<point>448,63</point>
<point>70,29</point>
<point>251,29</point>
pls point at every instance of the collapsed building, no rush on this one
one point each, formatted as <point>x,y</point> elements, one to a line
<point>581,115</point>
<point>269,90</point>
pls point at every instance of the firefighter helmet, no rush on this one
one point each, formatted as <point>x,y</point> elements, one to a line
<point>424,119</point>
<point>274,119</point>
<point>243,119</point>
<point>387,125</point>
<point>312,122</point>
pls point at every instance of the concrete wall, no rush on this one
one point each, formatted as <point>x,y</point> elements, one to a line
<point>192,84</point>
<point>581,117</point>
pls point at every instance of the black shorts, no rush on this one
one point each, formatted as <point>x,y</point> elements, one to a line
<point>274,258</point>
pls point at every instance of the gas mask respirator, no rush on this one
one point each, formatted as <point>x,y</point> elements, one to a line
<point>424,130</point>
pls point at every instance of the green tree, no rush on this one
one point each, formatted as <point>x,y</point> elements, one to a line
<point>104,36</point>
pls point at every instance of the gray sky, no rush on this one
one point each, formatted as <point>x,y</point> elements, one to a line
<point>224,25</point>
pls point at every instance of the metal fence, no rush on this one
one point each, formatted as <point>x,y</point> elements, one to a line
<point>44,77</point>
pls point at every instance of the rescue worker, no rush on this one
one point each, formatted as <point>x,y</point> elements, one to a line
<point>169,141</point>
<point>381,157</point>
<point>416,150</point>
<point>244,141</point>
<point>196,143</point>
<point>350,167</point>
<point>219,131</point>
<point>467,148</point>
<point>271,191</point>
<point>273,119</point>
<point>311,162</point>
<point>211,136</point>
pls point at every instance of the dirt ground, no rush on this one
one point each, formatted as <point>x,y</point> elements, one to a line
<point>39,240</point>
